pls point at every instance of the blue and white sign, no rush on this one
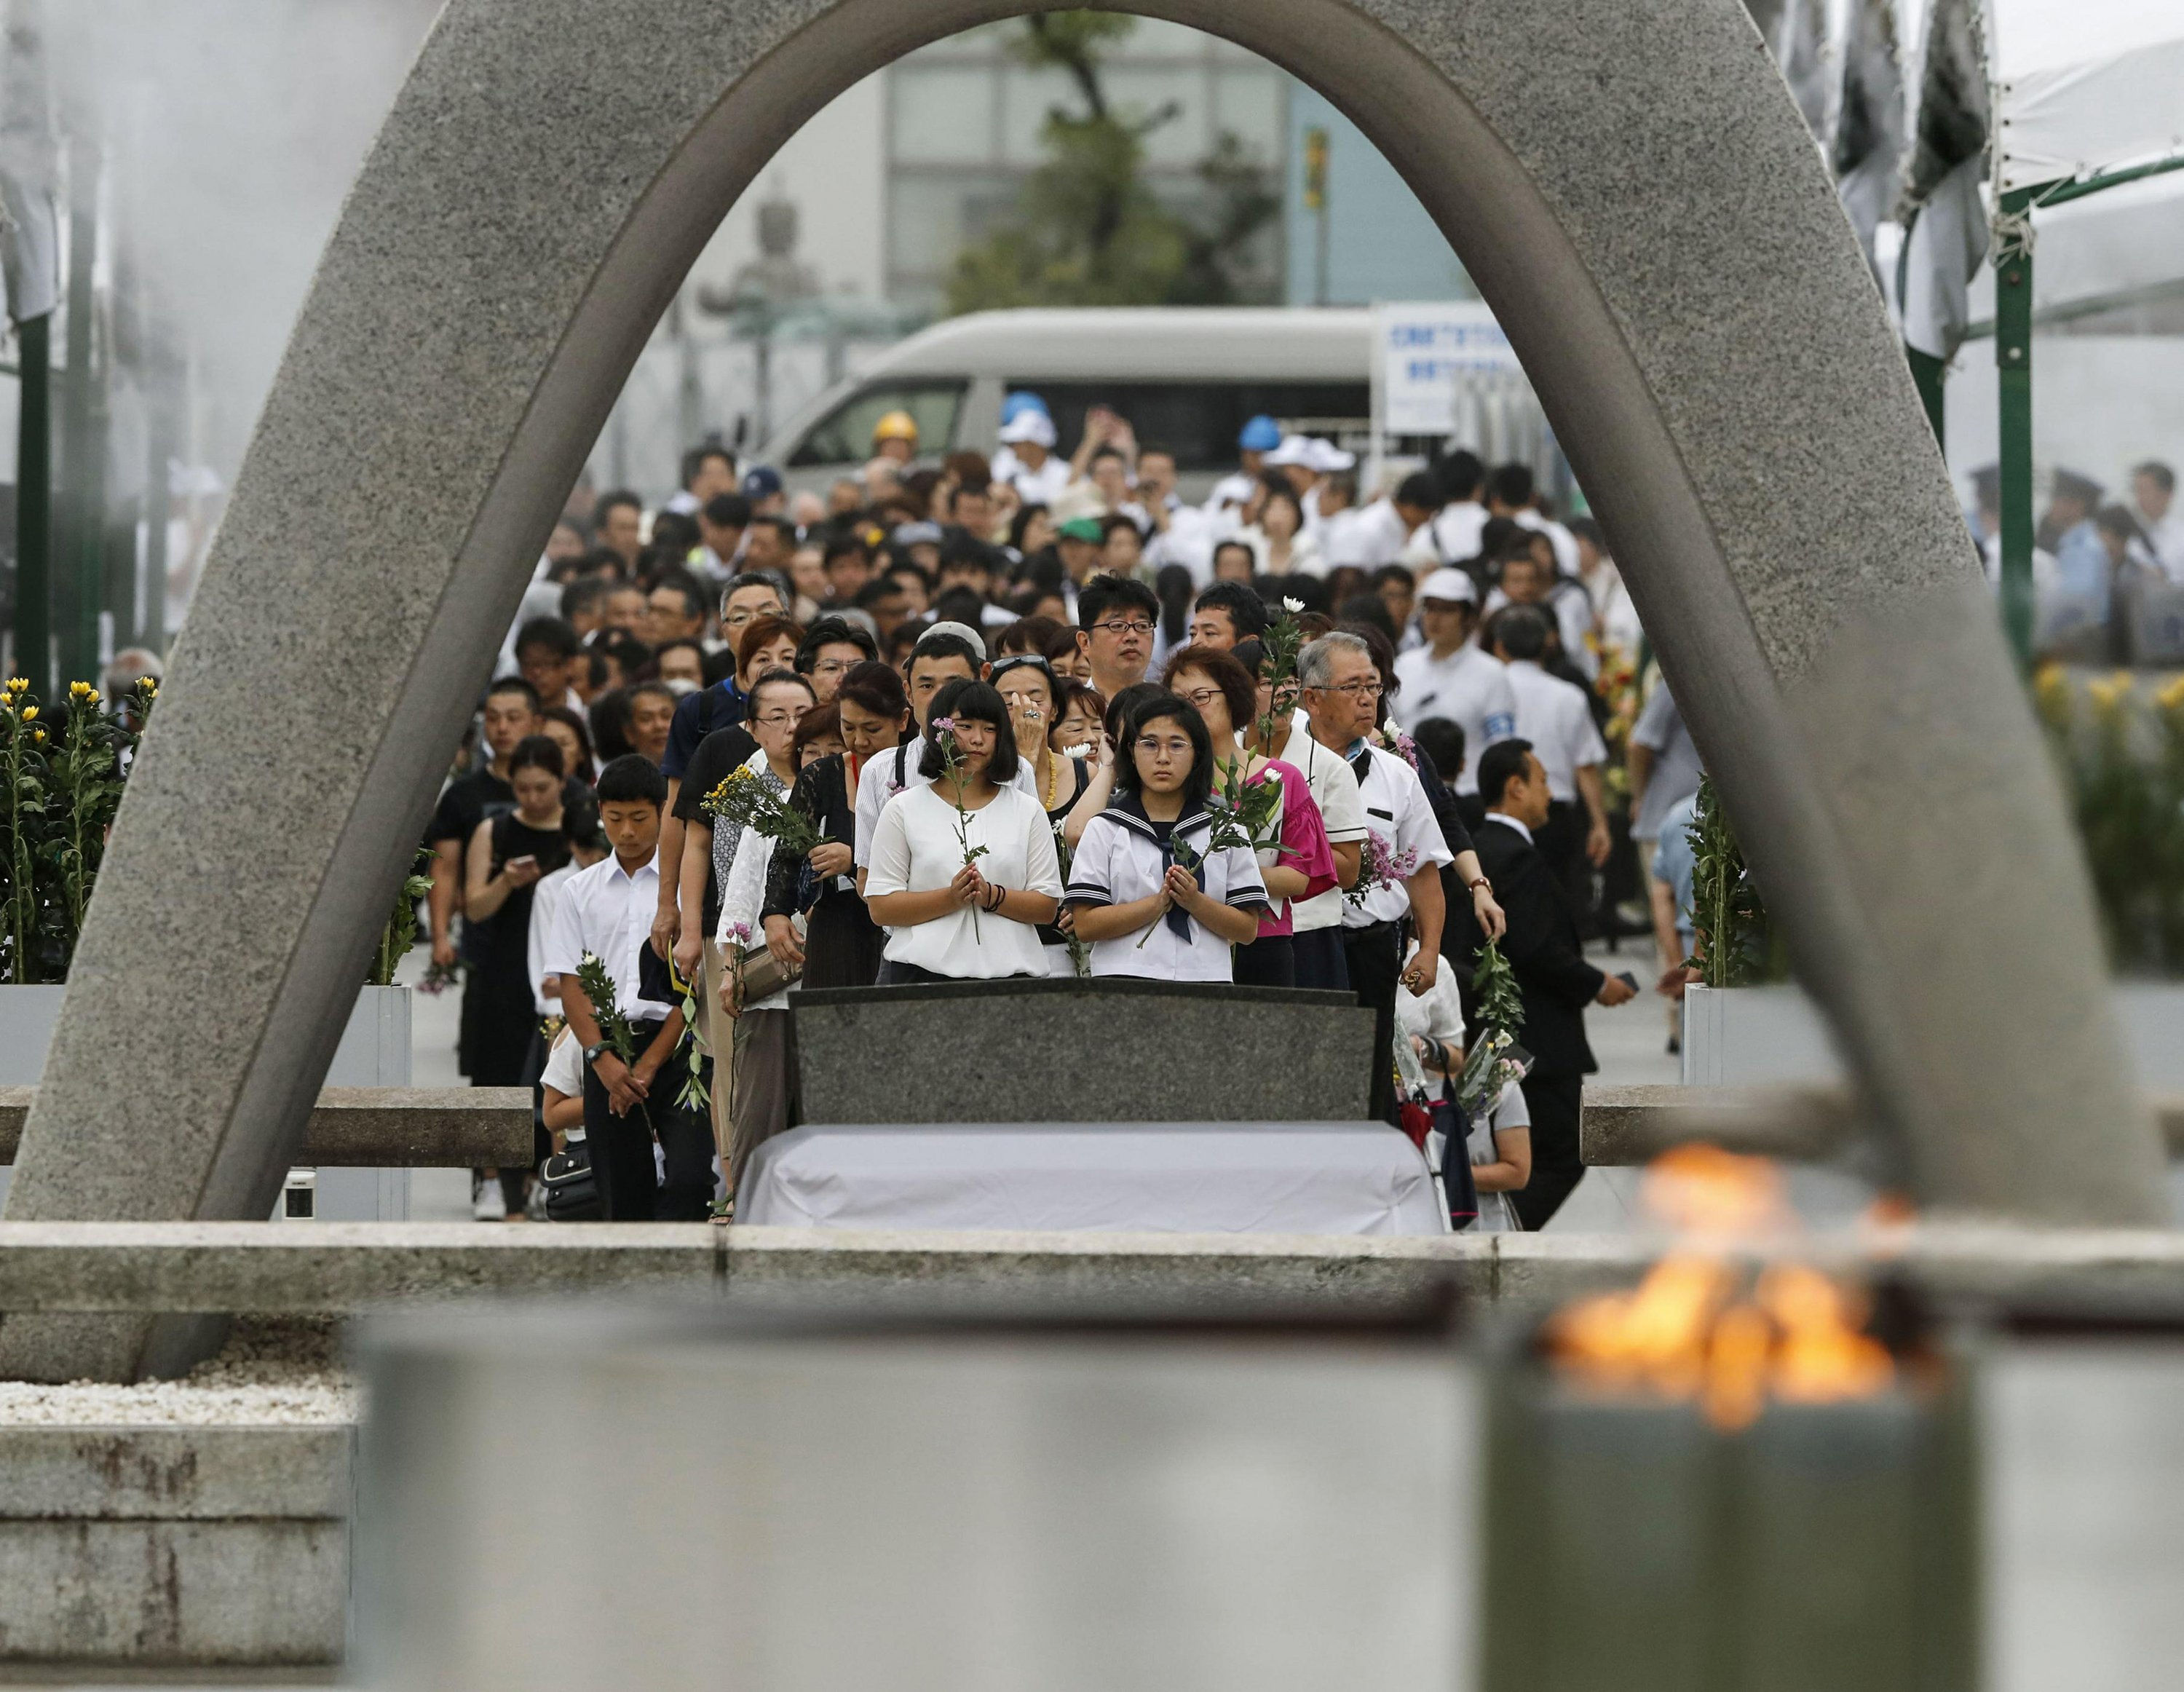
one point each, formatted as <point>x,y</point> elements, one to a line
<point>1425,354</point>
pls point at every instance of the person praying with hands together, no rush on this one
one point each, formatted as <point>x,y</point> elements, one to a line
<point>1154,894</point>
<point>963,868</point>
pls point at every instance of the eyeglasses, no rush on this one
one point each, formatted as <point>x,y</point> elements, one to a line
<point>1152,746</point>
<point>779,719</point>
<point>1136,626</point>
<point>1356,690</point>
<point>1203,697</point>
<point>833,666</point>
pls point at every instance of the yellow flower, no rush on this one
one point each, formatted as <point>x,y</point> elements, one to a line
<point>17,684</point>
<point>2171,697</point>
<point>37,734</point>
<point>30,714</point>
<point>2106,695</point>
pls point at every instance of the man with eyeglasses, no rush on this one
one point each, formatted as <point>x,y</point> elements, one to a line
<point>832,648</point>
<point>1115,619</point>
<point>1397,895</point>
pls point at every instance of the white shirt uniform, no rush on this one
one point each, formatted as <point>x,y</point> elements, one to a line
<point>545,907</point>
<point>884,776</point>
<point>1397,813</point>
<point>1469,688</point>
<point>1457,528</point>
<point>1118,860</point>
<point>1040,486</point>
<point>2167,535</point>
<point>741,896</point>
<point>1334,791</point>
<point>1571,607</point>
<point>1563,542</point>
<point>1370,539</point>
<point>607,911</point>
<point>916,850</point>
<point>1553,715</point>
<point>1188,540</point>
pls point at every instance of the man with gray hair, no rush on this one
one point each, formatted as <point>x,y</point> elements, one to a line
<point>1397,896</point>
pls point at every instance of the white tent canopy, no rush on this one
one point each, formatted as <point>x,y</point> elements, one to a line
<point>2085,87</point>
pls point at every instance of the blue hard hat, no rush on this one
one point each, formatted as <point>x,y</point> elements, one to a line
<point>1261,435</point>
<point>1023,400</point>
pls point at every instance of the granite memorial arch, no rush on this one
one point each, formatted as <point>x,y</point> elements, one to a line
<point>1636,196</point>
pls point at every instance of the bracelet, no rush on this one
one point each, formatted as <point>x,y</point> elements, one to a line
<point>1477,883</point>
<point>1000,894</point>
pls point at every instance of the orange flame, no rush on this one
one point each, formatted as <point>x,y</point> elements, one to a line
<point>1686,1332</point>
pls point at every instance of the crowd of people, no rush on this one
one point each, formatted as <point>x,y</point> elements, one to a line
<point>2108,576</point>
<point>1019,715</point>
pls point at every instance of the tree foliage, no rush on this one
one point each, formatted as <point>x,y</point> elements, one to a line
<point>1088,229</point>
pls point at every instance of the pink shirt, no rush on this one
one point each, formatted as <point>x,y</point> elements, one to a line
<point>1304,836</point>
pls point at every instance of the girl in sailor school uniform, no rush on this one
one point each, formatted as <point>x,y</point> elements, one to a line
<point>1151,894</point>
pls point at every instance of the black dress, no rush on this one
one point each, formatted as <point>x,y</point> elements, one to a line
<point>500,1007</point>
<point>1069,790</point>
<point>842,943</point>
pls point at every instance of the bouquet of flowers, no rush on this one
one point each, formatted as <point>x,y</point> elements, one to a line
<point>1281,642</point>
<point>943,730</point>
<point>1495,1060</point>
<point>614,1026</point>
<point>750,802</point>
<point>1381,866</point>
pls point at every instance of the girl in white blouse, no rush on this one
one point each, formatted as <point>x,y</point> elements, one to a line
<point>963,871</point>
<point>1129,883</point>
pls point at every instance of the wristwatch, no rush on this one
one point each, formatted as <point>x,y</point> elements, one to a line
<point>592,1052</point>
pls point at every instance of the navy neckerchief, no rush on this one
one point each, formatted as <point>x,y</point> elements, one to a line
<point>1129,810</point>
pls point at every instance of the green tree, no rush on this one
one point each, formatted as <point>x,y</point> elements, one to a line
<point>1089,230</point>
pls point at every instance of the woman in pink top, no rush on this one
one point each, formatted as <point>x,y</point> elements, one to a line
<point>1295,860</point>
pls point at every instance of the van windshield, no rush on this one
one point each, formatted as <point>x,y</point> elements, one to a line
<point>844,435</point>
<point>1199,421</point>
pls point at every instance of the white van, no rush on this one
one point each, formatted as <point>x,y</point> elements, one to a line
<point>1187,378</point>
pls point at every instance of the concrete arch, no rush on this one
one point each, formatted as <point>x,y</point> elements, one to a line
<point>1638,200</point>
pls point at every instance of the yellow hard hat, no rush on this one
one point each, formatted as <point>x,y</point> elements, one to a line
<point>896,426</point>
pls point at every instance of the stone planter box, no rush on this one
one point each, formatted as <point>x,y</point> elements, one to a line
<point>1251,1053</point>
<point>1757,1036</point>
<point>374,1052</point>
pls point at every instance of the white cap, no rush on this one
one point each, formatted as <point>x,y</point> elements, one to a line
<point>963,632</point>
<point>1295,449</point>
<point>1034,427</point>
<point>1327,457</point>
<point>1452,587</point>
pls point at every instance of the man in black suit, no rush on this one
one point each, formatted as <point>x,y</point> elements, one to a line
<point>1548,960</point>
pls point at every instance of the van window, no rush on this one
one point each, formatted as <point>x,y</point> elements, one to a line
<point>844,435</point>
<point>1199,421</point>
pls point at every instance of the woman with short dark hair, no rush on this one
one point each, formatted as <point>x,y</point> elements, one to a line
<point>963,870</point>
<point>1153,895</point>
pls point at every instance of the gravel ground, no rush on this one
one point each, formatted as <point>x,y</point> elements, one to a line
<point>273,1369</point>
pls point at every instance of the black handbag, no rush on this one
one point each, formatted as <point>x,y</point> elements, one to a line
<point>572,1192</point>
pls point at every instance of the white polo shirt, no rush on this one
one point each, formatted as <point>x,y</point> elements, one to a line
<point>1334,791</point>
<point>1118,860</point>
<point>1398,814</point>
<point>1469,687</point>
<point>1553,715</point>
<point>1457,529</point>
<point>607,911</point>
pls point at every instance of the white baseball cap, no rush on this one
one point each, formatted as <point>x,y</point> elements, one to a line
<point>1295,449</point>
<point>1327,457</point>
<point>963,632</point>
<point>1451,586</point>
<point>1034,427</point>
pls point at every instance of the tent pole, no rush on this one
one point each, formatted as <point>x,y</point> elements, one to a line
<point>2013,358</point>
